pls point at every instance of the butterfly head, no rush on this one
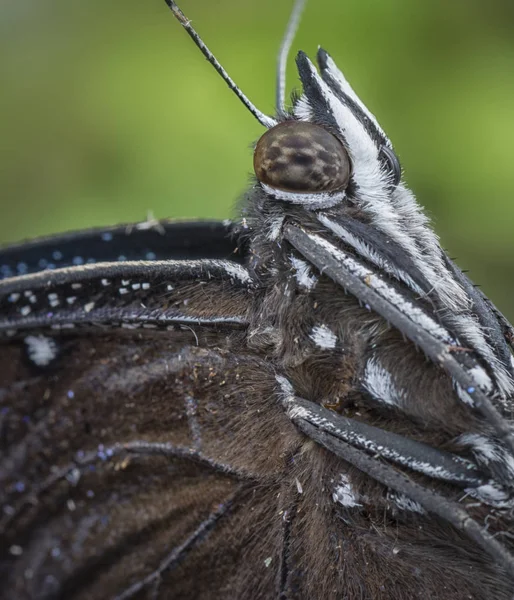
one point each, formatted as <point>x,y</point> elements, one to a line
<point>327,159</point>
<point>329,148</point>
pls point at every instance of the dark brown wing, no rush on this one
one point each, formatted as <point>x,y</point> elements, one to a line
<point>141,462</point>
<point>134,459</point>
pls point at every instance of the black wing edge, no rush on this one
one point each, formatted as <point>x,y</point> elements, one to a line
<point>148,240</point>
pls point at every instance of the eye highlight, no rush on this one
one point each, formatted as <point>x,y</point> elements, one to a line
<point>297,156</point>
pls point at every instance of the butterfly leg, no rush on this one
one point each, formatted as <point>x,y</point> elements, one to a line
<point>353,441</point>
<point>409,317</point>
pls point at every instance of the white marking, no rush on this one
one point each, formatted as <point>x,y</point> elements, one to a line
<point>122,291</point>
<point>15,550</point>
<point>299,487</point>
<point>71,299</point>
<point>76,286</point>
<point>482,379</point>
<point>286,388</point>
<point>14,297</point>
<point>237,271</point>
<point>136,286</point>
<point>25,310</point>
<point>339,78</point>
<point>323,337</point>
<point>145,286</point>
<point>343,492</point>
<point>53,296</point>
<point>463,396</point>
<point>41,350</point>
<point>169,288</point>
<point>274,229</point>
<point>105,282</point>
<point>379,382</point>
<point>310,201</point>
<point>125,282</point>
<point>303,274</point>
<point>89,307</point>
<point>54,303</point>
<point>403,502</point>
<point>298,412</point>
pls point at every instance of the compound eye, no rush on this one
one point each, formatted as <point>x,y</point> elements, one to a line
<point>296,156</point>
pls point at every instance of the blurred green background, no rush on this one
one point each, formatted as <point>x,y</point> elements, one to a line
<point>107,110</point>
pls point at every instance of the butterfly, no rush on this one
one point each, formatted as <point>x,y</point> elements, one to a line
<point>311,402</point>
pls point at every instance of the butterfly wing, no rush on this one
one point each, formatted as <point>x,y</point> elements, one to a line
<point>132,449</point>
<point>126,448</point>
<point>148,240</point>
<point>137,463</point>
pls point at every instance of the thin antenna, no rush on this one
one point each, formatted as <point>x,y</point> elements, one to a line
<point>260,116</point>
<point>283,53</point>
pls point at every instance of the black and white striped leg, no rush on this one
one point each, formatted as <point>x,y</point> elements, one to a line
<point>408,316</point>
<point>354,441</point>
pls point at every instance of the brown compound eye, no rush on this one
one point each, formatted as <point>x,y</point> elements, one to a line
<point>296,156</point>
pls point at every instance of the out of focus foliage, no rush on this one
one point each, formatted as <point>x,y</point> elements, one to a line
<point>107,110</point>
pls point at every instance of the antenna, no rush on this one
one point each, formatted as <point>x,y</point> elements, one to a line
<point>285,46</point>
<point>186,24</point>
